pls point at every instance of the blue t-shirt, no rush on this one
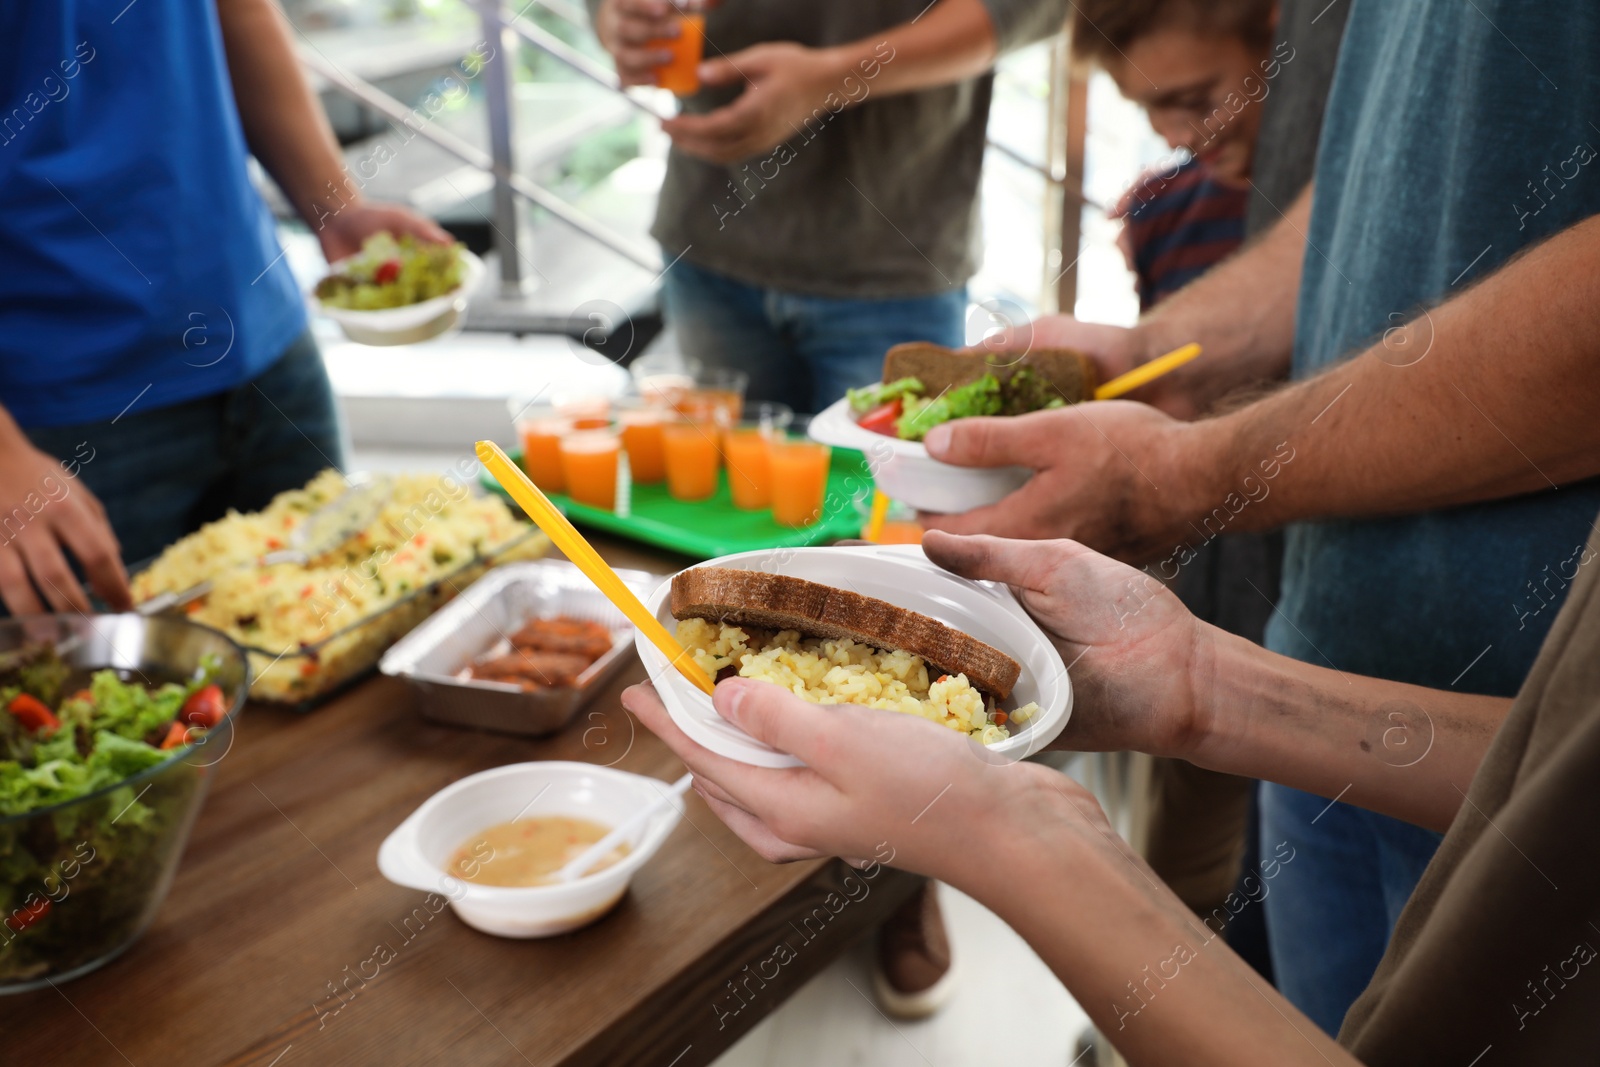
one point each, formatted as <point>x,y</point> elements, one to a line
<point>1456,135</point>
<point>138,266</point>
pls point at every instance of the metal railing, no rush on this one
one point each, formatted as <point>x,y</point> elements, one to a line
<point>498,75</point>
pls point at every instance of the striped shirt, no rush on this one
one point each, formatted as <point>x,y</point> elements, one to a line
<point>1180,225</point>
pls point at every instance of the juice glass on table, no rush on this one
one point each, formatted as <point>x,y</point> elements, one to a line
<point>690,447</point>
<point>642,436</point>
<point>584,411</point>
<point>681,74</point>
<point>900,526</point>
<point>541,433</point>
<point>799,480</point>
<point>589,463</point>
<point>746,446</point>
<point>720,388</point>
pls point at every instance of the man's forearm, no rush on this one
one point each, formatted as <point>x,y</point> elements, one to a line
<point>1398,749</point>
<point>1160,982</point>
<point>1505,373</point>
<point>951,41</point>
<point>283,120</point>
<point>1242,311</point>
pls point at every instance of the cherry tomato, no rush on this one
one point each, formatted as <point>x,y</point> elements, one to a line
<point>31,712</point>
<point>205,707</point>
<point>882,419</point>
<point>387,271</point>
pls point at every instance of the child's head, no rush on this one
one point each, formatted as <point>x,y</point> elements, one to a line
<point>1200,68</point>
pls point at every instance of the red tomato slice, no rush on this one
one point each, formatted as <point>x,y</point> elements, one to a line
<point>205,707</point>
<point>25,917</point>
<point>882,419</point>
<point>31,712</point>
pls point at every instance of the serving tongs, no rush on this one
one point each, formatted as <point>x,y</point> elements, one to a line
<point>324,530</point>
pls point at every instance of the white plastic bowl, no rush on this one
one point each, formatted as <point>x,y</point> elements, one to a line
<point>901,575</point>
<point>905,471</point>
<point>412,323</point>
<point>416,854</point>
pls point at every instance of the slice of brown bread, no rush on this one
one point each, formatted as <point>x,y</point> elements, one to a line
<point>781,602</point>
<point>940,368</point>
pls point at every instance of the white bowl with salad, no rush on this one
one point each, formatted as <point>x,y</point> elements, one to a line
<point>399,291</point>
<point>926,385</point>
<point>108,725</point>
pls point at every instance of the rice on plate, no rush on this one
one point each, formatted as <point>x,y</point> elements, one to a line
<point>841,671</point>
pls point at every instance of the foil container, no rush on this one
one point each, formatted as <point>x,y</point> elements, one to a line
<point>434,658</point>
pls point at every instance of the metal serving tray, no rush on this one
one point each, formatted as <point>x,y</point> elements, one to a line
<point>434,657</point>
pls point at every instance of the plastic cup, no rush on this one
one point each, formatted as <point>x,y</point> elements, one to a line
<point>746,448</point>
<point>681,74</point>
<point>642,436</point>
<point>799,480</point>
<point>690,447</point>
<point>541,450</point>
<point>589,463</point>
<point>900,527</point>
<point>719,388</point>
<point>585,412</point>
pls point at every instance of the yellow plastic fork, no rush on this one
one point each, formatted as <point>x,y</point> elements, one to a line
<point>586,559</point>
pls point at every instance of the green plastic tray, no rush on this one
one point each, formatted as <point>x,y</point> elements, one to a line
<point>714,527</point>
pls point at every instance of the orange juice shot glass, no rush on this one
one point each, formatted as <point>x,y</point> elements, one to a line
<point>746,446</point>
<point>541,436</point>
<point>690,447</point>
<point>642,428</point>
<point>589,461</point>
<point>681,73</point>
<point>799,480</point>
<point>584,411</point>
<point>718,388</point>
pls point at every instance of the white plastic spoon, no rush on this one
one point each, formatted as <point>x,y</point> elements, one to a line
<point>586,859</point>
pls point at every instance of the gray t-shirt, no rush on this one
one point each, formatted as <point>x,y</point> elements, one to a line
<point>1455,136</point>
<point>873,200</point>
<point>1291,115</point>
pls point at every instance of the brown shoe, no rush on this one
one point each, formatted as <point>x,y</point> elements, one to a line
<point>913,974</point>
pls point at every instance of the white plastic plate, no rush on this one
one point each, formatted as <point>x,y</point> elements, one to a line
<point>905,471</point>
<point>413,322</point>
<point>901,575</point>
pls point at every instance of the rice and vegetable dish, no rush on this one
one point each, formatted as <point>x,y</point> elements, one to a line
<point>841,671</point>
<point>429,528</point>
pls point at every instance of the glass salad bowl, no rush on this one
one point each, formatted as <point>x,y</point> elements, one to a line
<point>81,879</point>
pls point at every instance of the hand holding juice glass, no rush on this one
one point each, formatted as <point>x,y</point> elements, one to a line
<point>681,73</point>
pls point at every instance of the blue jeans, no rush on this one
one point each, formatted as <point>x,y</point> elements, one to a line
<point>799,350</point>
<point>1334,905</point>
<point>162,473</point>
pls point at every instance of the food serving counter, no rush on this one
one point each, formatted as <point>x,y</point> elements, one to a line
<point>281,944</point>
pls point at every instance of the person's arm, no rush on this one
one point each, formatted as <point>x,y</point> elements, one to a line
<point>1033,846</point>
<point>288,132</point>
<point>1029,843</point>
<point>1490,395</point>
<point>1241,312</point>
<point>788,85</point>
<point>1148,676</point>
<point>45,508</point>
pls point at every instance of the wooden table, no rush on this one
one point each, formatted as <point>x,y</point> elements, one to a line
<point>280,943</point>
